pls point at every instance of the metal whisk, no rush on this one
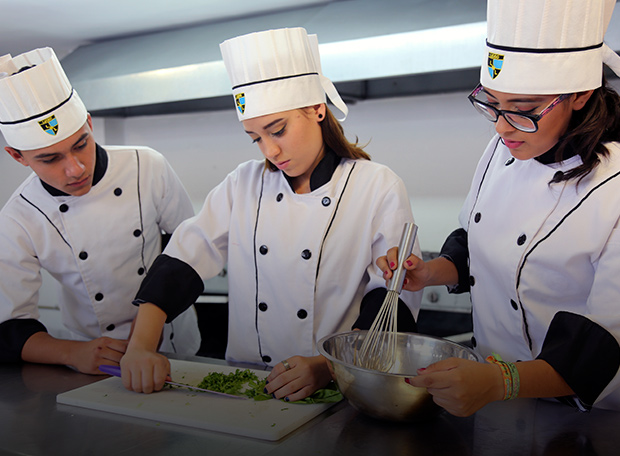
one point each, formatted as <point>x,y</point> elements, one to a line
<point>378,350</point>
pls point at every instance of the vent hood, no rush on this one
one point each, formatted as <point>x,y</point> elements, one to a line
<point>369,49</point>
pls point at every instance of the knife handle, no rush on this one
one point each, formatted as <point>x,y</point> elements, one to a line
<point>111,370</point>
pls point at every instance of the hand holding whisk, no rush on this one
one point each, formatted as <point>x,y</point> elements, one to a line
<point>378,350</point>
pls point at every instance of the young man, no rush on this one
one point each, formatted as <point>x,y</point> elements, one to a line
<point>91,216</point>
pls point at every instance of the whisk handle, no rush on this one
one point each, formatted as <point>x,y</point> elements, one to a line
<point>405,247</point>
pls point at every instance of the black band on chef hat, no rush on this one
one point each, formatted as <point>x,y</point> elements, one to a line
<point>36,116</point>
<point>274,79</point>
<point>543,50</point>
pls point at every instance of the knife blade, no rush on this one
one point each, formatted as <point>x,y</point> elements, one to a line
<point>116,371</point>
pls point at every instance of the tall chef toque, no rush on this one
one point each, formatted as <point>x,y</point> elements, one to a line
<point>3,59</point>
<point>275,71</point>
<point>547,46</point>
<point>38,106</point>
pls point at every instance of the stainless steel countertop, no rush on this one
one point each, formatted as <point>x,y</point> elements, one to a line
<point>32,423</point>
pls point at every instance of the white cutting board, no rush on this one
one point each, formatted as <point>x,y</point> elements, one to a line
<point>268,420</point>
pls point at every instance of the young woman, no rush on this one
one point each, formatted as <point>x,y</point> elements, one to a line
<point>299,231</point>
<point>539,244</point>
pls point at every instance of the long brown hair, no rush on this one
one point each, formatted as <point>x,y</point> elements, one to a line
<point>597,123</point>
<point>334,139</point>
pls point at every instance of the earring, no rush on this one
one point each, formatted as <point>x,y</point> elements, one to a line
<point>320,116</point>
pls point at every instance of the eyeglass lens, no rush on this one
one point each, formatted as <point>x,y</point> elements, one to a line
<point>517,121</point>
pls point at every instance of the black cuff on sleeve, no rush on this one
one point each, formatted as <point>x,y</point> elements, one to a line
<point>369,308</point>
<point>172,285</point>
<point>584,353</point>
<point>13,336</point>
<point>456,249</point>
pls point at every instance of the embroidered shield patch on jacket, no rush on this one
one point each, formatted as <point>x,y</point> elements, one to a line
<point>240,102</point>
<point>495,62</point>
<point>49,125</point>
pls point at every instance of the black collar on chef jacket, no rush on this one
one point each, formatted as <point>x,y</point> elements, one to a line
<point>101,165</point>
<point>549,157</point>
<point>323,171</point>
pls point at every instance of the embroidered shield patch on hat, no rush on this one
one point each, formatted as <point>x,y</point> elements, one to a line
<point>240,101</point>
<point>49,125</point>
<point>495,62</point>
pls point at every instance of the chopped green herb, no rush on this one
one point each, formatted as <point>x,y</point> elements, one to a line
<point>240,383</point>
<point>247,383</point>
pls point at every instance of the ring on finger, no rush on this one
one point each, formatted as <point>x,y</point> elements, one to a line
<point>286,365</point>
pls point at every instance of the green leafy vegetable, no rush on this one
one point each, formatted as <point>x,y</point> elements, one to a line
<point>247,383</point>
<point>322,396</point>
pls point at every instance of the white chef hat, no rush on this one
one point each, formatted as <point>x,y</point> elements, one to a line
<point>38,106</point>
<point>547,46</point>
<point>275,71</point>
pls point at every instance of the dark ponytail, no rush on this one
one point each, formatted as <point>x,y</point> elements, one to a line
<point>597,123</point>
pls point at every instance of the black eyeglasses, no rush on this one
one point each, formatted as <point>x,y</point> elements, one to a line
<point>523,122</point>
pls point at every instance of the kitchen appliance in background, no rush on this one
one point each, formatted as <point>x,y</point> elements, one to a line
<point>444,314</point>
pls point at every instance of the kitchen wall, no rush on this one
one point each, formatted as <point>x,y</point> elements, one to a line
<point>432,142</point>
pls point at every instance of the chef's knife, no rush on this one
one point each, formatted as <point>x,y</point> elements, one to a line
<point>116,371</point>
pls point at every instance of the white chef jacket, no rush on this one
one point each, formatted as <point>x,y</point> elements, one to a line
<point>298,264</point>
<point>97,246</point>
<point>536,249</point>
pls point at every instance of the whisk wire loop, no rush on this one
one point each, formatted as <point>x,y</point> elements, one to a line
<point>378,349</point>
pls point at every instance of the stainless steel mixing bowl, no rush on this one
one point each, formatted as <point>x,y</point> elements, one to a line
<point>387,395</point>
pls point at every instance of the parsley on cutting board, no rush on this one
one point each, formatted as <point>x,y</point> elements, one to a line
<point>247,383</point>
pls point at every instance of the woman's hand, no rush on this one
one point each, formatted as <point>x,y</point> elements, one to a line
<point>417,275</point>
<point>87,356</point>
<point>420,273</point>
<point>144,371</point>
<point>304,376</point>
<point>461,386</point>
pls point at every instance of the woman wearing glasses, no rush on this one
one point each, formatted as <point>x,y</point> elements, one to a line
<point>539,243</point>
